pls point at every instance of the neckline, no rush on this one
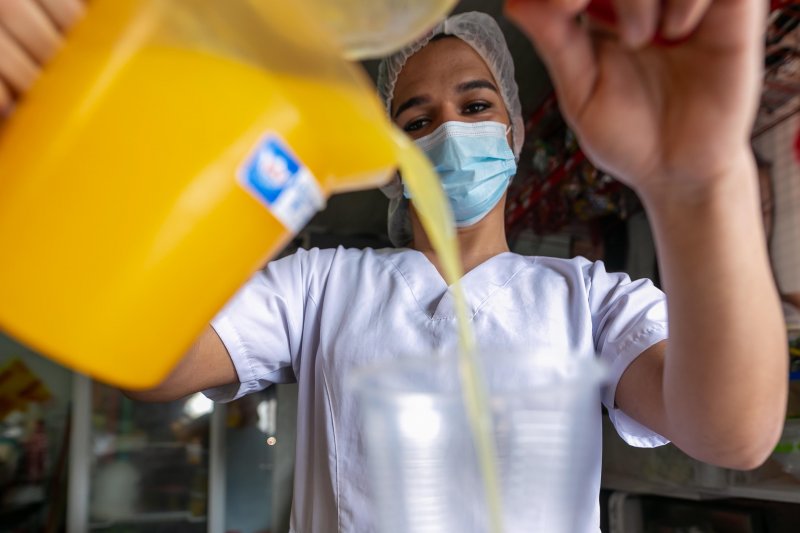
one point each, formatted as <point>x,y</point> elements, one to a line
<point>435,297</point>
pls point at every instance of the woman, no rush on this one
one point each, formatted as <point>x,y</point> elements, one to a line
<point>670,121</point>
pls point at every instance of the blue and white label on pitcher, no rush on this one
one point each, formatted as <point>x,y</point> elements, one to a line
<point>277,178</point>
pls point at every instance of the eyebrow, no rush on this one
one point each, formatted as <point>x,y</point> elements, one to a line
<point>411,102</point>
<point>460,88</point>
<point>475,84</point>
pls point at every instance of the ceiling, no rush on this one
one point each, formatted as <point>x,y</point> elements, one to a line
<point>361,217</point>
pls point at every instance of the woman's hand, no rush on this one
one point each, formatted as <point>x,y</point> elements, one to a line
<point>655,116</point>
<point>30,33</point>
<point>673,121</point>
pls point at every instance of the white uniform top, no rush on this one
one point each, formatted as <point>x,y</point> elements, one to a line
<point>314,316</point>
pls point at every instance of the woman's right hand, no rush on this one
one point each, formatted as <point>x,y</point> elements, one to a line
<point>30,33</point>
<point>672,118</point>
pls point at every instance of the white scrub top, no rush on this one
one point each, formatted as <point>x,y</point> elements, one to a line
<point>316,315</point>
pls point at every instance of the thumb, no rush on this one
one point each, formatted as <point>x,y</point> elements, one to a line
<point>563,44</point>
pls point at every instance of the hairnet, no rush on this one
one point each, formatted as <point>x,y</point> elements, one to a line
<point>482,33</point>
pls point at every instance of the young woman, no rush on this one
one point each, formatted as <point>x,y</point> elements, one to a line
<point>670,121</point>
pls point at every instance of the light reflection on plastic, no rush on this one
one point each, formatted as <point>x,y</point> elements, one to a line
<point>420,421</point>
<point>267,416</point>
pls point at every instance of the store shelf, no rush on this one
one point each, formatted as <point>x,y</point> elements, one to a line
<point>772,491</point>
<point>150,518</point>
<point>149,446</point>
<point>666,471</point>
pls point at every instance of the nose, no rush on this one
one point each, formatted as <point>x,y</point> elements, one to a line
<point>449,113</point>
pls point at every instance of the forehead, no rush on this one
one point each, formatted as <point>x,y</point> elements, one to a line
<point>442,63</point>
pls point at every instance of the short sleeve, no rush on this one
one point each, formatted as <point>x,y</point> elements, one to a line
<point>628,317</point>
<point>261,327</point>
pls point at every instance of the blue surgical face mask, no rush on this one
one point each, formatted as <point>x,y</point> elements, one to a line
<point>475,164</point>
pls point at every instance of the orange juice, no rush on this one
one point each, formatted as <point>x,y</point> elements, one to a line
<point>123,220</point>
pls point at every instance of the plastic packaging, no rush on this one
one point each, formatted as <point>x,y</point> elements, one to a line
<point>422,459</point>
<point>166,153</point>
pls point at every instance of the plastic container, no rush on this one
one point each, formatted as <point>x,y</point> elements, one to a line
<point>374,28</point>
<point>166,153</point>
<point>546,414</point>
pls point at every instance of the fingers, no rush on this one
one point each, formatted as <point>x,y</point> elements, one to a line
<point>5,99</point>
<point>64,13</point>
<point>563,44</point>
<point>681,17</point>
<point>30,33</point>
<point>637,21</point>
<point>25,21</point>
<point>17,69</point>
<point>643,22</point>
<point>573,7</point>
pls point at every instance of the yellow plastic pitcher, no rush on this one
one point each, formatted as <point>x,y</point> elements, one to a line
<point>167,152</point>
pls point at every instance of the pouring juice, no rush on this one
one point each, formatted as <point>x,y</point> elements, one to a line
<point>434,212</point>
<point>128,201</point>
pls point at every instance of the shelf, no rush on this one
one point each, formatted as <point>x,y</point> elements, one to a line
<point>139,446</point>
<point>104,449</point>
<point>150,518</point>
<point>771,491</point>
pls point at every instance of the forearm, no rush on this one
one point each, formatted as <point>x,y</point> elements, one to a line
<point>725,371</point>
<point>174,386</point>
<point>206,365</point>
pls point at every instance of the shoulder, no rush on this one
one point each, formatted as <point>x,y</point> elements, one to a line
<point>582,268</point>
<point>575,264</point>
<point>326,258</point>
<point>312,259</point>
<point>589,277</point>
<point>315,266</point>
<point>575,269</point>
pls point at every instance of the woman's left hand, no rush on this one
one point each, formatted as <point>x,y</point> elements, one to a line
<point>655,115</point>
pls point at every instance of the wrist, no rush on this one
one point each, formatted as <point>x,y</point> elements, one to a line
<point>701,213</point>
<point>702,188</point>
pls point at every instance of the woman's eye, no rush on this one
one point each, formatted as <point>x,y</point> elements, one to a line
<point>477,107</point>
<point>415,125</point>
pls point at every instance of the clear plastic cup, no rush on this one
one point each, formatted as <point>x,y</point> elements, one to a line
<point>425,477</point>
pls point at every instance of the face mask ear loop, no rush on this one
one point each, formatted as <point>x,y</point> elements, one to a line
<point>511,143</point>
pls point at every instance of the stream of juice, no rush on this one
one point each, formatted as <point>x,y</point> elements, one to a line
<point>434,211</point>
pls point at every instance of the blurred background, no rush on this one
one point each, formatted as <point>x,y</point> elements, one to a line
<point>76,455</point>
